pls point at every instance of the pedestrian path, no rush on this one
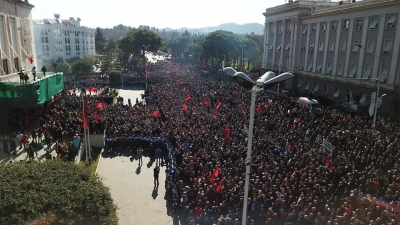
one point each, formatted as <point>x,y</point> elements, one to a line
<point>132,188</point>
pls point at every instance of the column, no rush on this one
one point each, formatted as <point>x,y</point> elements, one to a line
<point>316,48</point>
<point>349,47</point>
<point>337,47</point>
<point>283,44</point>
<point>379,42</point>
<point>294,48</point>
<point>307,46</point>
<point>292,42</point>
<point>265,54</point>
<point>392,78</point>
<point>360,67</point>
<point>274,29</point>
<point>326,47</point>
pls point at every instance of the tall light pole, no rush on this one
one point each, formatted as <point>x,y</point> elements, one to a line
<point>242,46</point>
<point>144,64</point>
<point>265,81</point>
<point>377,98</point>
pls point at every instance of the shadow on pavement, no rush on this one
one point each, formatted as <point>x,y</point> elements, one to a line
<point>154,194</point>
<point>138,170</point>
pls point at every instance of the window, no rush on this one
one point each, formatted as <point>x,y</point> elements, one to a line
<point>42,39</point>
<point>371,46</point>
<point>47,48</point>
<point>323,27</point>
<point>45,32</point>
<point>310,66</point>
<point>272,29</point>
<point>367,73</point>
<point>332,46</point>
<point>326,89</point>
<point>329,69</point>
<point>321,46</point>
<point>303,46</point>
<point>337,92</point>
<point>340,69</point>
<point>319,67</point>
<point>374,23</point>
<point>356,48</point>
<point>391,22</point>
<point>46,40</point>
<point>287,46</point>
<point>41,32</point>
<point>311,50</point>
<point>346,24</point>
<point>289,28</point>
<point>388,46</point>
<point>358,25</point>
<point>384,74</point>
<point>314,29</point>
<point>271,47</point>
<point>343,46</point>
<point>299,84</point>
<point>16,64</point>
<point>279,47</point>
<point>280,29</point>
<point>5,66</point>
<point>305,27</point>
<point>43,48</point>
<point>353,70</point>
<point>334,26</point>
<point>307,86</point>
<point>316,88</point>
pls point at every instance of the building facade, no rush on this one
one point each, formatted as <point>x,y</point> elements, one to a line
<point>17,48</point>
<point>340,51</point>
<point>65,40</point>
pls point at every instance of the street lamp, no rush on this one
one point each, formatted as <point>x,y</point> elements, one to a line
<point>267,80</point>
<point>242,46</point>
<point>378,86</point>
<point>144,64</point>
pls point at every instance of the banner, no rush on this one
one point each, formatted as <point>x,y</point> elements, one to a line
<point>223,64</point>
<point>327,147</point>
<point>147,71</point>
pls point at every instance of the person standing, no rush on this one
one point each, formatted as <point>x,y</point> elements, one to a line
<point>44,70</point>
<point>5,144</point>
<point>158,156</point>
<point>156,172</point>
<point>13,145</point>
<point>34,73</point>
<point>140,155</point>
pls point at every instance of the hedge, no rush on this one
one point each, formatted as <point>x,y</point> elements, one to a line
<point>53,192</point>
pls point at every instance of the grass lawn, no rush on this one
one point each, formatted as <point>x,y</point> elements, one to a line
<point>96,154</point>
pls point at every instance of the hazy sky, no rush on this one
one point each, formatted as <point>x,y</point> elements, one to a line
<point>155,13</point>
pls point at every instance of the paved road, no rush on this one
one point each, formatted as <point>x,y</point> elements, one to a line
<point>130,93</point>
<point>133,190</point>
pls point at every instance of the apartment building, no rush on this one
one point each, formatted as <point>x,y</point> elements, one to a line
<point>17,48</point>
<point>342,51</point>
<point>63,39</point>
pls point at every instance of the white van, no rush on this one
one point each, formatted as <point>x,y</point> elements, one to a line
<point>309,103</point>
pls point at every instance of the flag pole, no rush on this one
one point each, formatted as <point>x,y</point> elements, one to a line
<point>84,130</point>
<point>88,137</point>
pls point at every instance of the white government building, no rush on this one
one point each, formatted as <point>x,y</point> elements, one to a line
<point>62,39</point>
<point>16,39</point>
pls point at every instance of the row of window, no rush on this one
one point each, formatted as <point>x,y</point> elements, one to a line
<point>366,73</point>
<point>336,92</point>
<point>345,25</point>
<point>5,66</point>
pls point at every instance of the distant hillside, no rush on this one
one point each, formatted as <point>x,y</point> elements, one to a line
<point>255,28</point>
<point>120,31</point>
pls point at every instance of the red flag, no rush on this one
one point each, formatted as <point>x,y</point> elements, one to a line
<point>96,116</point>
<point>30,59</point>
<point>328,160</point>
<point>219,105</point>
<point>258,108</point>
<point>188,97</point>
<point>147,71</point>
<point>216,172</point>
<point>298,121</point>
<point>85,113</point>
<point>184,89</point>
<point>156,113</point>
<point>205,101</point>
<point>227,132</point>
<point>266,106</point>
<point>178,81</point>
<point>219,188</point>
<point>99,105</point>
<point>159,91</point>
<point>212,180</point>
<point>184,107</point>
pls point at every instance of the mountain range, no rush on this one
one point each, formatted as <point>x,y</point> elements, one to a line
<point>255,28</point>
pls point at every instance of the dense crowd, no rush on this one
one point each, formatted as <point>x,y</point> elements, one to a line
<point>293,181</point>
<point>131,78</point>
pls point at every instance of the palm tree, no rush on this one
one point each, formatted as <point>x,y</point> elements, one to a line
<point>57,16</point>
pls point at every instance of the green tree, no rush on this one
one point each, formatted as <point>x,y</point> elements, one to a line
<point>100,40</point>
<point>56,192</point>
<point>82,66</point>
<point>65,68</point>
<point>133,42</point>
<point>219,45</point>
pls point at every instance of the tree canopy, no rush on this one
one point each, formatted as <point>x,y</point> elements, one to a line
<point>134,41</point>
<point>55,192</point>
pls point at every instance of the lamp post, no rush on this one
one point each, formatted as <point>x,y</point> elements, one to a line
<point>378,86</point>
<point>242,46</point>
<point>144,65</point>
<point>265,81</point>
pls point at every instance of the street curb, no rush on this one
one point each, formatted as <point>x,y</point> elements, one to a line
<point>98,163</point>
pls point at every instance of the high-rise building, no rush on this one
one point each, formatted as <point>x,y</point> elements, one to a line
<point>340,51</point>
<point>17,48</point>
<point>62,39</point>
